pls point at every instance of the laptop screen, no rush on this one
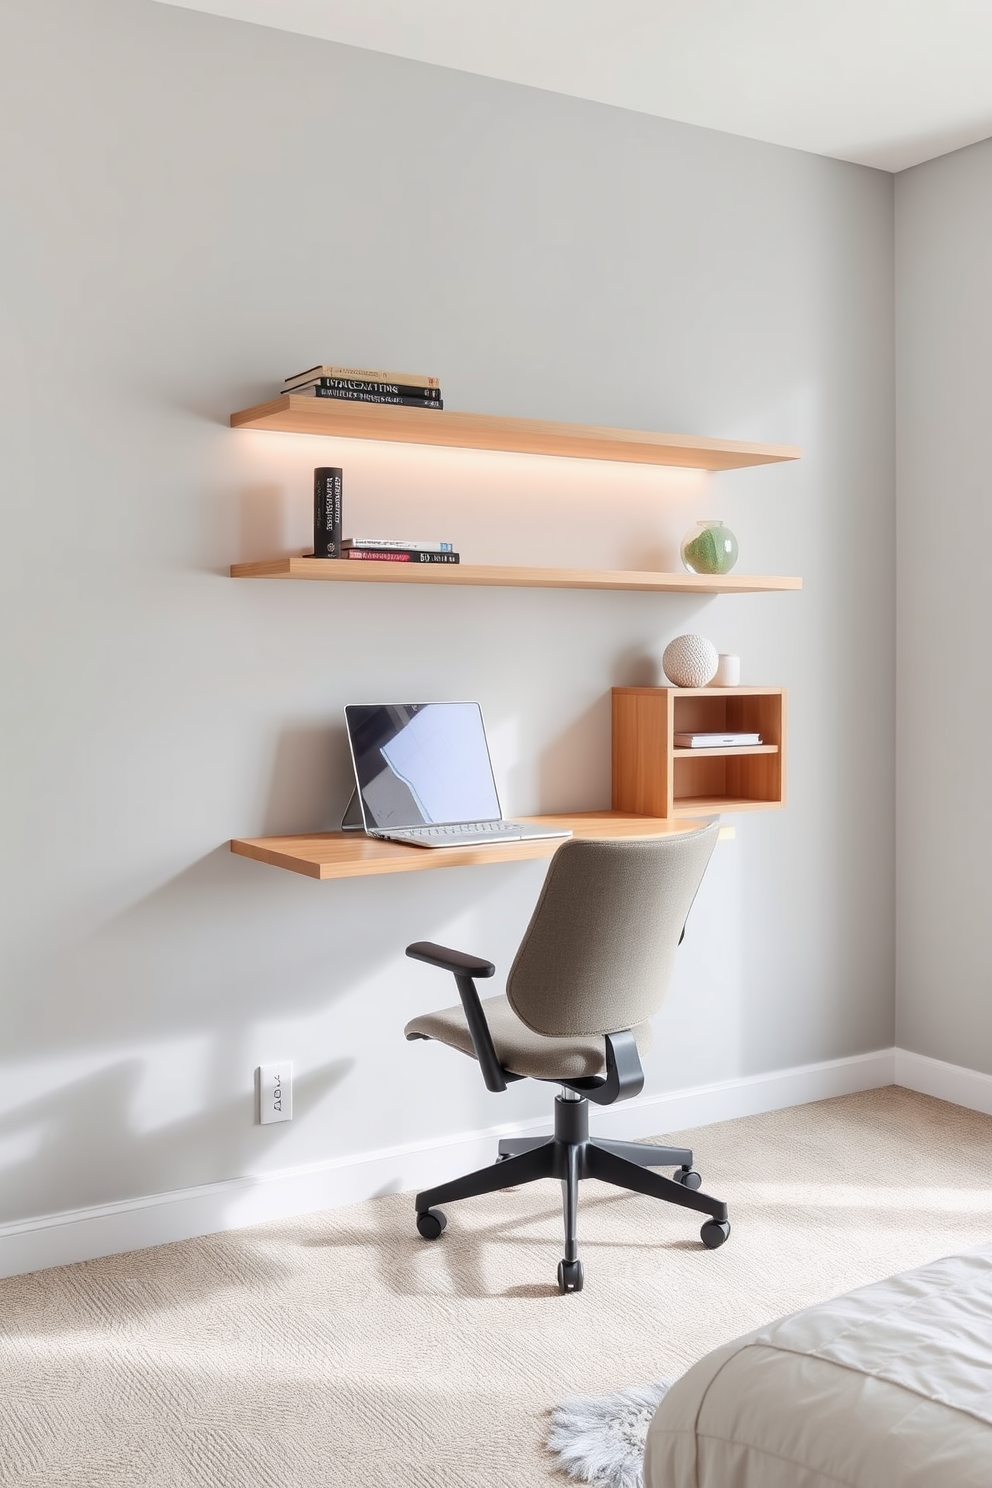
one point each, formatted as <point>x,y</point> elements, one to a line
<point>421,764</point>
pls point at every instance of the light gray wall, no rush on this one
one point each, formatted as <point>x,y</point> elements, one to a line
<point>944,371</point>
<point>193,208</point>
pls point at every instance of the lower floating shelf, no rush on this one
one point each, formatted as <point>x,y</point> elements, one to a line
<point>481,575</point>
<point>353,855</point>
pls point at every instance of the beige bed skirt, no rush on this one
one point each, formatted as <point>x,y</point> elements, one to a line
<point>886,1387</point>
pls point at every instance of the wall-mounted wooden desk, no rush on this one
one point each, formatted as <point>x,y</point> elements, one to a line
<point>353,855</point>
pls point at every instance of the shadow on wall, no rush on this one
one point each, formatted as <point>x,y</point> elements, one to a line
<point>564,778</point>
<point>160,1012</point>
<point>266,515</point>
<point>210,943</point>
<point>566,781</point>
<point>156,1016</point>
<point>640,666</point>
<point>89,1122</point>
<point>310,781</point>
<point>192,970</point>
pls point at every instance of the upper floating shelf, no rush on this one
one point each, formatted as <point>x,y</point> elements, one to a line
<point>483,574</point>
<point>301,415</point>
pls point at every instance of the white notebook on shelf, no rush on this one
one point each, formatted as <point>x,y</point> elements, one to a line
<point>714,741</point>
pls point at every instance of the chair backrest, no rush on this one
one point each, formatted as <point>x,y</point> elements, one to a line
<point>598,952</point>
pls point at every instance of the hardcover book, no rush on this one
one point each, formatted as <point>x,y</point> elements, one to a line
<point>327,492</point>
<point>713,741</point>
<point>313,391</point>
<point>400,555</point>
<point>416,544</point>
<point>390,389</point>
<point>363,374</point>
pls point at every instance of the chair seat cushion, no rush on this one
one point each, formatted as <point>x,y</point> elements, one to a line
<point>519,1050</point>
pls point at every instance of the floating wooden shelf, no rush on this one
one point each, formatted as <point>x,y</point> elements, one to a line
<point>353,855</point>
<point>344,570</point>
<point>300,415</point>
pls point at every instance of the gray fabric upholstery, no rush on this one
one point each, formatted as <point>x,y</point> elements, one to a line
<point>598,952</point>
<point>518,1049</point>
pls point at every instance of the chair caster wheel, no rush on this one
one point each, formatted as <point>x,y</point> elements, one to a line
<point>689,1178</point>
<point>714,1233</point>
<point>431,1223</point>
<point>570,1276</point>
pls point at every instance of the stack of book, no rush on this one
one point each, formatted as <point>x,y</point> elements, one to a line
<point>328,507</point>
<point>367,385</point>
<point>399,550</point>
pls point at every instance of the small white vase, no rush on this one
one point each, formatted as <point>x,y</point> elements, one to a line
<point>728,671</point>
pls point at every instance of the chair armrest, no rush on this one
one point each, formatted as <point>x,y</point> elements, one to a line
<point>463,968</point>
<point>457,962</point>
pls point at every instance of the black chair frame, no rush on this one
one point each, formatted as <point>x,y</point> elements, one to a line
<point>569,1153</point>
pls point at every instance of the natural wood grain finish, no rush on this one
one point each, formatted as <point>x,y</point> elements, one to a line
<point>650,775</point>
<point>642,750</point>
<point>353,855</point>
<point>481,575</point>
<point>348,420</point>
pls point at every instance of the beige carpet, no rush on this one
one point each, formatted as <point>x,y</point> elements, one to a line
<point>341,1349</point>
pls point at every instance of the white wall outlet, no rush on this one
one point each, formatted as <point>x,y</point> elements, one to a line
<point>275,1091</point>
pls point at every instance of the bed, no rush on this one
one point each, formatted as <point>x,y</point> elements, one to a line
<point>886,1387</point>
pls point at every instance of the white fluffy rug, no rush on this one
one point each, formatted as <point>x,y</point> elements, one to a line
<point>599,1439</point>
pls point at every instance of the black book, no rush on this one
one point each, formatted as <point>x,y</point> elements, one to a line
<point>327,482</point>
<point>398,555</point>
<point>386,389</point>
<point>326,392</point>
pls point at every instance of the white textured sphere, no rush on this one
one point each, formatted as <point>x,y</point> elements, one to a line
<point>690,661</point>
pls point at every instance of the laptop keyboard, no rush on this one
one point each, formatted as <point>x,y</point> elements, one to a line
<point>460,831</point>
<point>469,834</point>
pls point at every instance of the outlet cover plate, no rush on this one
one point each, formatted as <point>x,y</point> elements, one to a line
<point>275,1091</point>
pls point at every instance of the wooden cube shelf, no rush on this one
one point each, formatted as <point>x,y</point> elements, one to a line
<point>652,777</point>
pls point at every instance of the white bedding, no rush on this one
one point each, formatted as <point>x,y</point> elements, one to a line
<point>886,1387</point>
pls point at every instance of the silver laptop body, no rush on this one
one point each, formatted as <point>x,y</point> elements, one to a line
<point>423,775</point>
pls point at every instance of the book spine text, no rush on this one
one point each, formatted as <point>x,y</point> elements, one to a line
<point>363,374</point>
<point>399,555</point>
<point>327,491</point>
<point>386,389</point>
<point>326,392</point>
<point>411,544</point>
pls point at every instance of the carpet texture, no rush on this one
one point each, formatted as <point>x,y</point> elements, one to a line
<point>341,1349</point>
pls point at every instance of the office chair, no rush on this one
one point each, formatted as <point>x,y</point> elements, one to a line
<point>590,972</point>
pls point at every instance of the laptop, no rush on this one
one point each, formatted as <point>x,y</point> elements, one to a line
<point>423,775</point>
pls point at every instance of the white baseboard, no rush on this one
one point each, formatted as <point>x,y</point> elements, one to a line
<point>949,1082</point>
<point>132,1224</point>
